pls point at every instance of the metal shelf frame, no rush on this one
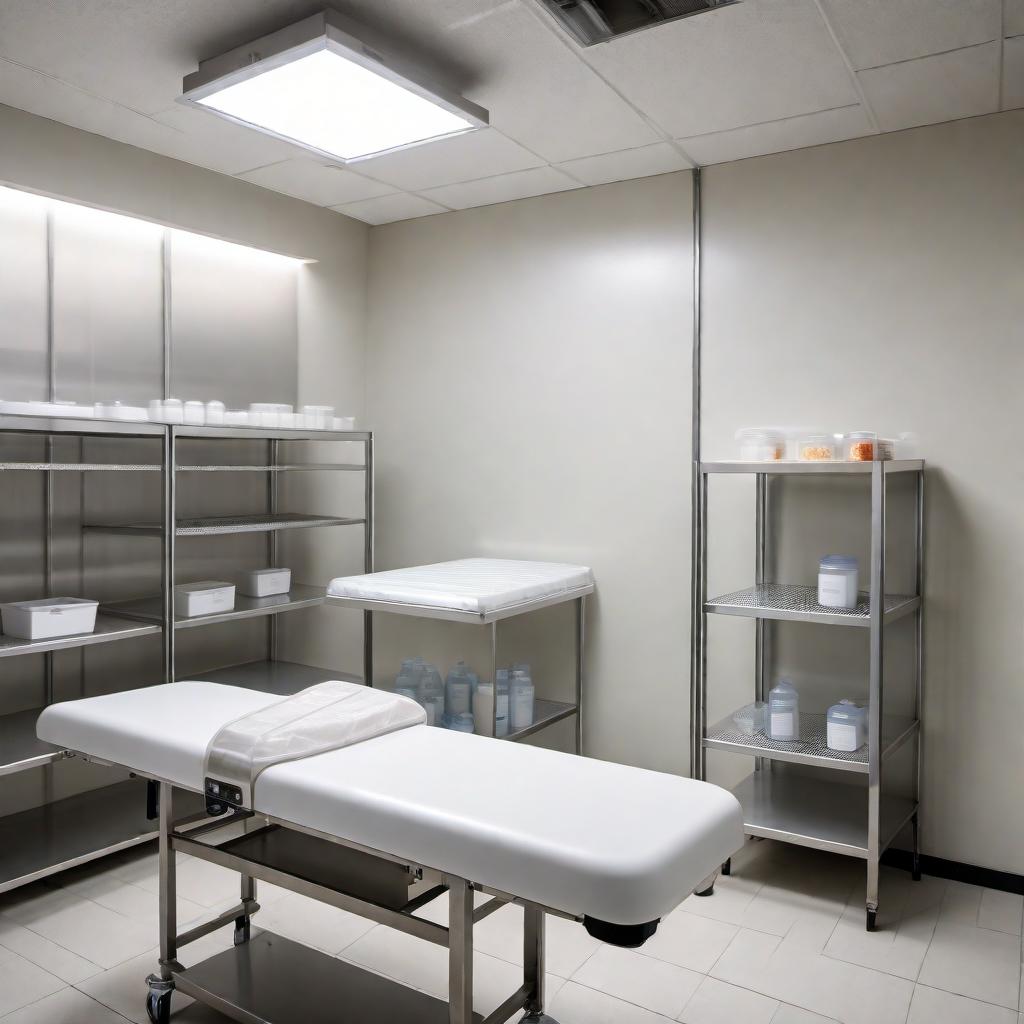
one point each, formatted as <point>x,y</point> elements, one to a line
<point>61,834</point>
<point>855,820</point>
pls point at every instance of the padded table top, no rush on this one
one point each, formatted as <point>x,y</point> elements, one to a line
<point>469,586</point>
<point>586,837</point>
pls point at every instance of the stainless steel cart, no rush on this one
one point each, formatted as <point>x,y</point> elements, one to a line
<point>811,810</point>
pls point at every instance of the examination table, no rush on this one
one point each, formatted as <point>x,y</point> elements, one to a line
<point>383,826</point>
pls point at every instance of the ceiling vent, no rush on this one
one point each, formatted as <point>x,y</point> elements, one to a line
<point>597,21</point>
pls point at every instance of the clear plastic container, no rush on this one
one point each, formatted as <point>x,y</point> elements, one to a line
<point>752,719</point>
<point>838,577</point>
<point>866,446</point>
<point>521,698</point>
<point>817,448</point>
<point>846,726</point>
<point>431,688</point>
<point>195,413</point>
<point>458,691</point>
<point>784,712</point>
<point>460,723</point>
<point>761,444</point>
<point>215,413</point>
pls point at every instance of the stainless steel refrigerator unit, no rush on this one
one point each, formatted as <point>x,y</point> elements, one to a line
<point>810,809</point>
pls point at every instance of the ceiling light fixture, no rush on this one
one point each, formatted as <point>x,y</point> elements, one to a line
<point>318,85</point>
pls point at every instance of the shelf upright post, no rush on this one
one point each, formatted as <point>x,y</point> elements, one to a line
<point>581,638</point>
<point>168,539</point>
<point>699,657</point>
<point>368,539</point>
<point>877,649</point>
<point>761,657</point>
<point>919,668</point>
<point>272,545</point>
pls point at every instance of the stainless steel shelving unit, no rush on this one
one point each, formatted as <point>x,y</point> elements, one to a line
<point>855,820</point>
<point>63,833</point>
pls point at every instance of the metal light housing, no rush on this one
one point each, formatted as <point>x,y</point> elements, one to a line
<point>318,85</point>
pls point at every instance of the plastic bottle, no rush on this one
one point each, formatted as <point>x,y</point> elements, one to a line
<point>431,689</point>
<point>460,723</point>
<point>783,711</point>
<point>406,683</point>
<point>458,691</point>
<point>521,698</point>
<point>484,709</point>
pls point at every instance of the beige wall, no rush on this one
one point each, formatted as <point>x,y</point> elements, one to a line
<point>879,284</point>
<point>528,380</point>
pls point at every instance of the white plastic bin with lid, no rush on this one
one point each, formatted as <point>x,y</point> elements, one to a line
<point>205,598</point>
<point>265,582</point>
<point>846,726</point>
<point>838,577</point>
<point>49,618</point>
<point>761,444</point>
<point>783,711</point>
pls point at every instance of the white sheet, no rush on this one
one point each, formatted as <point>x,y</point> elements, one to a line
<point>617,843</point>
<point>478,585</point>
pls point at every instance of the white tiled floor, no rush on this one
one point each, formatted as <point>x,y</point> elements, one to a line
<point>782,941</point>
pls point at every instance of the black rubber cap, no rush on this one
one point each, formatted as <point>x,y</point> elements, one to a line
<point>631,936</point>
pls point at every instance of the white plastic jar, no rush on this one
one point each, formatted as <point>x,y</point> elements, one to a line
<point>783,711</point>
<point>846,726</point>
<point>837,581</point>
<point>761,444</point>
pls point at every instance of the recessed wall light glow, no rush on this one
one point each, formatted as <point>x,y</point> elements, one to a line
<point>317,85</point>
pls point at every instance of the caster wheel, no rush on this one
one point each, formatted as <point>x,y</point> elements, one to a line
<point>158,1001</point>
<point>871,917</point>
<point>727,867</point>
<point>709,891</point>
<point>242,931</point>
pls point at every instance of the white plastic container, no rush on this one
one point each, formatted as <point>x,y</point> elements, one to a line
<point>846,726</point>
<point>236,418</point>
<point>215,413</point>
<point>483,707</point>
<point>167,410</point>
<point>460,723</point>
<point>118,411</point>
<point>784,712</point>
<point>343,423</point>
<point>458,691</point>
<point>265,582</point>
<point>206,598</point>
<point>521,698</point>
<point>49,617</point>
<point>47,409</point>
<point>195,414</point>
<point>838,577</point>
<point>761,444</point>
<point>318,417</point>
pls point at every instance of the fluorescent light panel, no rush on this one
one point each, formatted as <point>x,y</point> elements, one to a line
<point>314,84</point>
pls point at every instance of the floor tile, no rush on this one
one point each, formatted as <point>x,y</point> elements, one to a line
<point>932,1006</point>
<point>60,962</point>
<point>22,983</point>
<point>577,1004</point>
<point>68,1006</point>
<point>123,988</point>
<point>629,975</point>
<point>1001,911</point>
<point>717,1002</point>
<point>962,903</point>
<point>805,978</point>
<point>908,912</point>
<point>201,882</point>
<point>975,962</point>
<point>690,941</point>
<point>312,923</point>
<point>787,1014</point>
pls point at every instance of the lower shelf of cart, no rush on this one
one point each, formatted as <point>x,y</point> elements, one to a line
<point>280,677</point>
<point>273,979</point>
<point>77,829</point>
<point>823,815</point>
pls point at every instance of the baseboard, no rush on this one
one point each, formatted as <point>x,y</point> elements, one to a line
<point>959,872</point>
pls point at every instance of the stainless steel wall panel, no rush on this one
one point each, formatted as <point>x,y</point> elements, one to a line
<point>107,306</point>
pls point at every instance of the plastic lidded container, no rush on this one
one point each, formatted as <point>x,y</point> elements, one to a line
<point>817,448</point>
<point>751,720</point>
<point>215,413</point>
<point>837,581</point>
<point>866,446</point>
<point>761,444</point>
<point>783,711</point>
<point>195,413</point>
<point>49,617</point>
<point>846,726</point>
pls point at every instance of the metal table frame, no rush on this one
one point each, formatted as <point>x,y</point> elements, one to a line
<point>178,837</point>
<point>790,813</point>
<point>490,620</point>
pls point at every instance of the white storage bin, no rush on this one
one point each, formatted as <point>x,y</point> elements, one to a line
<point>205,598</point>
<point>265,582</point>
<point>846,726</point>
<point>49,617</point>
<point>838,577</point>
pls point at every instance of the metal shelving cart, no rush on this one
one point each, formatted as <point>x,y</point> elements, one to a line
<point>546,712</point>
<point>811,810</point>
<point>60,834</point>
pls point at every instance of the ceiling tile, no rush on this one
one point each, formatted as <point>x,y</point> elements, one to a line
<point>539,92</point>
<point>322,184</point>
<point>756,61</point>
<point>503,189</point>
<point>779,136</point>
<point>932,89</point>
<point>660,158</point>
<point>460,158</point>
<point>1013,73</point>
<point>1013,17</point>
<point>385,209</point>
<point>875,32</point>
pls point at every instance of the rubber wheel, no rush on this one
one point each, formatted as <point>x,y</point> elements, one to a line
<point>727,867</point>
<point>158,1007</point>
<point>871,916</point>
<point>709,891</point>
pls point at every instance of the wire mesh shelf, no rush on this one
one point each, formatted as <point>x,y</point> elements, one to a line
<point>800,604</point>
